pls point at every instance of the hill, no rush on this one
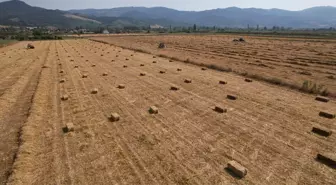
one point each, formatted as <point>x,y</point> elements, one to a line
<point>19,13</point>
<point>317,17</point>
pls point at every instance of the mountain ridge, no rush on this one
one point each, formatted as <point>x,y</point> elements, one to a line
<point>19,13</point>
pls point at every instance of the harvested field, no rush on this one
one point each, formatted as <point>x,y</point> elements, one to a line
<point>113,138</point>
<point>285,61</point>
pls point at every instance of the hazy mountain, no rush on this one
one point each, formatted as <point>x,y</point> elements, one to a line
<point>316,17</point>
<point>16,12</point>
<point>20,14</point>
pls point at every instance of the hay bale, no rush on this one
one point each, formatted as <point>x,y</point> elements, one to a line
<point>142,65</point>
<point>94,91</point>
<point>153,110</point>
<point>174,88</point>
<point>328,159</point>
<point>203,68</point>
<point>105,74</point>
<point>322,131</point>
<point>93,65</point>
<point>71,60</point>
<point>61,71</point>
<point>154,62</point>
<point>179,69</point>
<point>154,56</point>
<point>121,86</point>
<point>85,75</point>
<point>44,67</point>
<point>101,55</point>
<point>69,127</point>
<point>142,74</point>
<point>76,66</point>
<point>117,56</point>
<point>231,97</point>
<point>248,80</point>
<point>127,59</point>
<point>327,115</point>
<point>188,81</point>
<point>219,109</point>
<point>170,60</point>
<point>62,80</point>
<point>125,66</point>
<point>222,82</point>
<point>114,117</point>
<point>65,97</point>
<point>162,72</point>
<point>322,99</point>
<point>237,169</point>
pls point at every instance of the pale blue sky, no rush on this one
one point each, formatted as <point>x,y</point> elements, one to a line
<point>181,4</point>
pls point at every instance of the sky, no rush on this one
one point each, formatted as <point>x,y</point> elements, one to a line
<point>194,5</point>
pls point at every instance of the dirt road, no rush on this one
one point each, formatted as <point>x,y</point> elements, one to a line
<point>267,129</point>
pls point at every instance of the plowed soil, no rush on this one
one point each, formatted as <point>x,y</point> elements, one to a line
<point>267,129</point>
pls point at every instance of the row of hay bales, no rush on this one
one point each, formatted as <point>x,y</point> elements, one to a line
<point>233,166</point>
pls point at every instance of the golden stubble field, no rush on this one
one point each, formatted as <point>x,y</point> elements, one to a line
<point>291,61</point>
<point>267,129</point>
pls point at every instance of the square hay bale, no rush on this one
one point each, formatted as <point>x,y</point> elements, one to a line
<point>125,66</point>
<point>61,71</point>
<point>114,117</point>
<point>65,97</point>
<point>322,131</point>
<point>248,80</point>
<point>179,69</point>
<point>131,55</point>
<point>112,60</point>
<point>69,127</point>
<point>222,82</point>
<point>76,66</point>
<point>62,80</point>
<point>322,99</point>
<point>162,72</point>
<point>127,59</point>
<point>219,109</point>
<point>59,64</point>
<point>142,65</point>
<point>203,68</point>
<point>170,60</point>
<point>231,97</point>
<point>93,65</point>
<point>174,88</point>
<point>105,74</point>
<point>327,115</point>
<point>94,91</point>
<point>154,62</point>
<point>237,169</point>
<point>188,81</point>
<point>86,60</point>
<point>154,56</point>
<point>85,75</point>
<point>117,55</point>
<point>328,159</point>
<point>142,74</point>
<point>121,86</point>
<point>153,110</point>
<point>101,55</point>
<point>71,60</point>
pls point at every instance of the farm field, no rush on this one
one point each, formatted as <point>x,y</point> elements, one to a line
<point>267,128</point>
<point>290,61</point>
